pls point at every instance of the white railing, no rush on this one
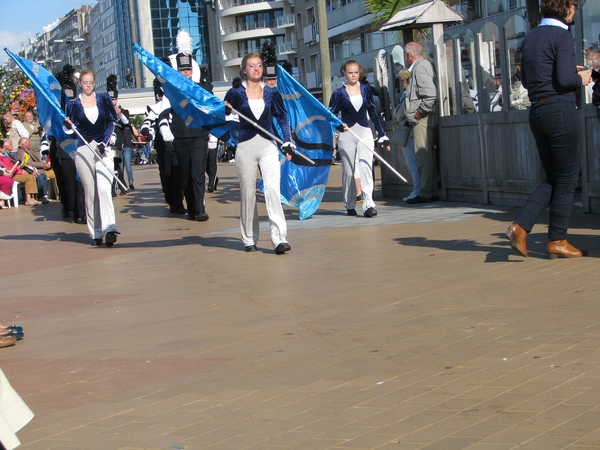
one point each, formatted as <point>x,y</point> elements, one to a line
<point>287,47</point>
<point>286,21</point>
<point>261,24</point>
<point>233,55</point>
<point>232,3</point>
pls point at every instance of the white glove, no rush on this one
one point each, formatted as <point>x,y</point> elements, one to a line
<point>383,141</point>
<point>167,134</point>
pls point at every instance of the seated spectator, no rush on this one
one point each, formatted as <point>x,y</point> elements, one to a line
<point>35,161</point>
<point>15,171</point>
<point>6,185</point>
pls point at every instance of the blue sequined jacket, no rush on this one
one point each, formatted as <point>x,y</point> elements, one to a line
<point>340,102</point>
<point>102,129</point>
<point>238,99</point>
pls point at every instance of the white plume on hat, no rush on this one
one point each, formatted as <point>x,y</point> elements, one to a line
<point>184,42</point>
<point>185,46</point>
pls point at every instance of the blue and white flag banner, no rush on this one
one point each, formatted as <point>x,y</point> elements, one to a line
<point>48,94</point>
<point>197,107</point>
<point>313,128</point>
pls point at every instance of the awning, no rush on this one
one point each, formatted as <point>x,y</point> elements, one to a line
<point>422,15</point>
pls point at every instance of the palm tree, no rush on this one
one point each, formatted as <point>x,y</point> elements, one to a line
<point>384,10</point>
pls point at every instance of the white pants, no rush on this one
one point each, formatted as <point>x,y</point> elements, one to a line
<point>411,162</point>
<point>349,147</point>
<point>97,187</point>
<point>14,414</point>
<point>250,155</point>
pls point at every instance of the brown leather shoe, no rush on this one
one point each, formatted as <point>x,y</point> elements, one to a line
<point>563,248</point>
<point>7,341</point>
<point>517,236</point>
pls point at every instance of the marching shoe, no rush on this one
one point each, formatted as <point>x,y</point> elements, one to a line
<point>7,341</point>
<point>418,199</point>
<point>250,248</point>
<point>96,242</point>
<point>18,335</point>
<point>563,248</point>
<point>517,236</point>
<point>370,212</point>
<point>352,212</point>
<point>111,238</point>
<point>282,248</point>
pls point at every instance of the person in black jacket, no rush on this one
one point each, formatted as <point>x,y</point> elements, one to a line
<point>191,149</point>
<point>551,75</point>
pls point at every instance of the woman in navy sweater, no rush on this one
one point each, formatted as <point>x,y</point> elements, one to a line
<point>94,116</point>
<point>552,77</point>
<point>355,100</point>
<point>256,150</point>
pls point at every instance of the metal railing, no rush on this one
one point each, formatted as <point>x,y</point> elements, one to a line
<point>286,21</point>
<point>237,28</point>
<point>232,3</point>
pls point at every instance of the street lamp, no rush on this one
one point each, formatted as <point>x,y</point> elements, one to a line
<point>70,43</point>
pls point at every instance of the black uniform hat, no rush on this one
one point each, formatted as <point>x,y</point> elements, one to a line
<point>111,86</point>
<point>183,61</point>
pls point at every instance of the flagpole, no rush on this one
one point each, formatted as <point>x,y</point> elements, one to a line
<point>385,163</point>
<point>271,135</point>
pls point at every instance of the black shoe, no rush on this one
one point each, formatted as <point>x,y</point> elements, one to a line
<point>66,215</point>
<point>18,335</point>
<point>210,190</point>
<point>352,212</point>
<point>435,198</point>
<point>111,238</point>
<point>250,248</point>
<point>181,211</point>
<point>370,212</point>
<point>282,248</point>
<point>418,199</point>
<point>96,242</point>
<point>203,217</point>
<point>359,198</point>
<point>44,200</point>
<point>131,187</point>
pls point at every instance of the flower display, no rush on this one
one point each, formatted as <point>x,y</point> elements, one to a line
<point>17,93</point>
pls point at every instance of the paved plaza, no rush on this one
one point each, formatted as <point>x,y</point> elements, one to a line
<point>417,329</point>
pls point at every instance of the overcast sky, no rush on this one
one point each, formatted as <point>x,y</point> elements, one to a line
<point>22,20</point>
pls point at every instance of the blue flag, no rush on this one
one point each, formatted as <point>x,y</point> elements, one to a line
<point>313,128</point>
<point>48,94</point>
<point>197,107</point>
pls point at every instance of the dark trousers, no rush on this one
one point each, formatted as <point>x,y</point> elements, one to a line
<point>555,127</point>
<point>211,167</point>
<point>60,178</point>
<point>192,154</point>
<point>70,204</point>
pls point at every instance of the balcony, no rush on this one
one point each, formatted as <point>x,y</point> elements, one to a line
<point>240,27</point>
<point>286,21</point>
<point>287,48</point>
<point>232,3</point>
<point>310,34</point>
<point>260,29</point>
<point>235,7</point>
